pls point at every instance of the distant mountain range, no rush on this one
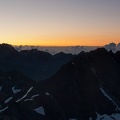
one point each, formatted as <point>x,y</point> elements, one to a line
<point>87,87</point>
<point>70,49</point>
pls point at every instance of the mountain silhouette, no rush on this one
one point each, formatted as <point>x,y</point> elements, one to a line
<point>37,65</point>
<point>85,88</point>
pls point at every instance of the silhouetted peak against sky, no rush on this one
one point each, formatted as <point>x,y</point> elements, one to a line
<point>100,50</point>
<point>59,59</point>
<point>35,52</point>
<point>7,49</point>
<point>6,46</point>
<point>52,50</point>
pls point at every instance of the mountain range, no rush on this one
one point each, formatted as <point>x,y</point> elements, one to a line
<point>69,49</point>
<point>84,87</point>
<point>38,65</point>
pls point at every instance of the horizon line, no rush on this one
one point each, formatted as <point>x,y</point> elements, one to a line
<point>61,45</point>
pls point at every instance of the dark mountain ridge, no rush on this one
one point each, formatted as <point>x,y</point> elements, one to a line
<point>86,88</point>
<point>90,82</point>
<point>37,65</point>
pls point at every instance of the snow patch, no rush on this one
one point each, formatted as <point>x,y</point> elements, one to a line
<point>2,110</point>
<point>73,63</point>
<point>93,70</point>
<point>40,110</point>
<point>106,95</point>
<point>90,118</point>
<point>103,117</point>
<point>10,98</point>
<point>47,93</point>
<point>25,95</point>
<point>35,95</point>
<point>15,90</point>
<point>32,97</point>
<point>0,87</point>
<point>115,116</point>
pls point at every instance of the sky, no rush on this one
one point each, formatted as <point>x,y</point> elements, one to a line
<point>59,22</point>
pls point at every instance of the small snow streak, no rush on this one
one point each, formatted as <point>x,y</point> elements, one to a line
<point>0,88</point>
<point>25,95</point>
<point>47,93</point>
<point>35,95</point>
<point>93,70</point>
<point>115,116</point>
<point>90,118</point>
<point>72,119</point>
<point>2,110</point>
<point>32,97</point>
<point>106,95</point>
<point>10,98</point>
<point>73,63</point>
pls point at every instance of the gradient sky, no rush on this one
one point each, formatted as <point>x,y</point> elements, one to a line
<point>59,22</point>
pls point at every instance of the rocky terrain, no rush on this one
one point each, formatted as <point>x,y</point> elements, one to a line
<point>87,87</point>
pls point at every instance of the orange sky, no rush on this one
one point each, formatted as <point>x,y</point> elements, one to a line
<point>60,23</point>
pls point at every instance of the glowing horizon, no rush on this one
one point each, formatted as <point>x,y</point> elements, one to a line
<point>60,23</point>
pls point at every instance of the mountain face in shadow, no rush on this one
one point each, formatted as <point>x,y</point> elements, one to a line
<point>37,65</point>
<point>86,88</point>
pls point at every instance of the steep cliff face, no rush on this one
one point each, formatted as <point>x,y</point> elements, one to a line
<point>86,88</point>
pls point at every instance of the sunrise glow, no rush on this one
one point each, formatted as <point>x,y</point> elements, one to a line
<point>60,23</point>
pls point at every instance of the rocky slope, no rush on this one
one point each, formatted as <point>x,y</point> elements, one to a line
<point>86,88</point>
